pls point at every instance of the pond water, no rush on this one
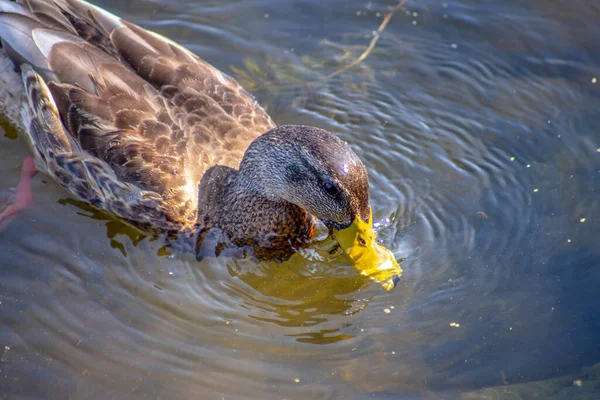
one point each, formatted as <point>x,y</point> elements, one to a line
<point>479,124</point>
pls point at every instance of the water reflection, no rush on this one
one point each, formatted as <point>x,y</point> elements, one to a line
<point>302,292</point>
<point>114,226</point>
<point>294,295</point>
<point>7,129</point>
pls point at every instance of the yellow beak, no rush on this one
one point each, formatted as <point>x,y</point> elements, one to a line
<point>371,259</point>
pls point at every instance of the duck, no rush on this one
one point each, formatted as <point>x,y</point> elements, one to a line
<point>137,125</point>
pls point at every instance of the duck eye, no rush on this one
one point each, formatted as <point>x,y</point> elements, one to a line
<point>331,188</point>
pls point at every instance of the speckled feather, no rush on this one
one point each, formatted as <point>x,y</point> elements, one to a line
<point>154,112</point>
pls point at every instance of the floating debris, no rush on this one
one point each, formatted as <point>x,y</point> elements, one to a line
<point>387,310</point>
<point>577,382</point>
<point>297,380</point>
<point>536,190</point>
<point>568,240</point>
<point>455,324</point>
<point>582,220</point>
<point>512,159</point>
<point>6,349</point>
<point>594,80</point>
<point>371,46</point>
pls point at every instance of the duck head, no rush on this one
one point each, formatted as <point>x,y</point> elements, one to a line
<point>315,170</point>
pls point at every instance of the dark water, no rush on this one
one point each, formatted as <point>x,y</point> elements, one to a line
<point>479,124</point>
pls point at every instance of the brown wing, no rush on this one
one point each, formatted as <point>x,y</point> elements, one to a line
<point>156,113</point>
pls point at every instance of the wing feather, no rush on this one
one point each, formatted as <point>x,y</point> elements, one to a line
<point>158,115</point>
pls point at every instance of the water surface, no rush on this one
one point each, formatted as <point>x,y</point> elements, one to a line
<point>479,124</point>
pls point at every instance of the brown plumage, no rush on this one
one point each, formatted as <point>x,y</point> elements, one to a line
<point>135,124</point>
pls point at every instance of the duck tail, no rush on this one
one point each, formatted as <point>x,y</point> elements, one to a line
<point>28,31</point>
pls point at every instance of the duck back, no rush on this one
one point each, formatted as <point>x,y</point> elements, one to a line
<point>142,107</point>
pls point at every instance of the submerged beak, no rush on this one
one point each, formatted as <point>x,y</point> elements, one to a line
<point>371,259</point>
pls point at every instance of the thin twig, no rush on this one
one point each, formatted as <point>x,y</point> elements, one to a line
<point>369,49</point>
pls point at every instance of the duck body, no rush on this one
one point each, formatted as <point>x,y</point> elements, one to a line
<point>154,113</point>
<point>137,125</point>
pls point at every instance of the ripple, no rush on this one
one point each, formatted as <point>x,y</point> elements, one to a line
<point>477,126</point>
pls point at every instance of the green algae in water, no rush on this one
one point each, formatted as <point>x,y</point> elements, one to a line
<point>273,74</point>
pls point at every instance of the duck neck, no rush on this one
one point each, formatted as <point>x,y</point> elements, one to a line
<point>248,215</point>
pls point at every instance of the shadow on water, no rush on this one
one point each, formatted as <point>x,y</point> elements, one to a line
<point>114,226</point>
<point>478,125</point>
<point>9,131</point>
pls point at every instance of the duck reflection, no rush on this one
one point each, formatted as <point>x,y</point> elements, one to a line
<point>116,229</point>
<point>310,290</point>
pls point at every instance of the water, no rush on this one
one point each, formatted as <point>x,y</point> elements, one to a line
<point>478,122</point>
